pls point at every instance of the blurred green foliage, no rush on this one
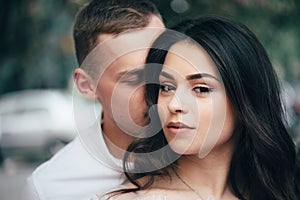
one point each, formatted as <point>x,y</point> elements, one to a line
<point>36,45</point>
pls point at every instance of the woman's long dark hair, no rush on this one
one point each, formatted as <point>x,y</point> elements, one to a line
<point>264,164</point>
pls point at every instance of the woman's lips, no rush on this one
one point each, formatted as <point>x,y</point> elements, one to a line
<point>178,127</point>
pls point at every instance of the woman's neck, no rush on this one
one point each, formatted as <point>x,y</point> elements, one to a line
<point>208,176</point>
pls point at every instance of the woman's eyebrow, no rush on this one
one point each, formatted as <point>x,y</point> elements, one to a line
<point>201,75</point>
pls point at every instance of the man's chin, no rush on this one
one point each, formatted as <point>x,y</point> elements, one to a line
<point>144,122</point>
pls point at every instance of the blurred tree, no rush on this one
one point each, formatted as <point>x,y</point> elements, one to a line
<point>275,22</point>
<point>36,46</point>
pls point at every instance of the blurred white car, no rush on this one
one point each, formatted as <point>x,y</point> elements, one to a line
<point>35,121</point>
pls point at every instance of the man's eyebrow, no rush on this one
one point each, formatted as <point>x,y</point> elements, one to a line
<point>131,72</point>
<point>201,75</point>
<point>167,75</point>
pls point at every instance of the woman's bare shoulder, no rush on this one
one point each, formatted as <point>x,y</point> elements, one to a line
<point>147,194</point>
<point>161,190</point>
<point>114,194</point>
<point>141,195</point>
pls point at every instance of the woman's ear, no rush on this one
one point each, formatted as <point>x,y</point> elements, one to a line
<point>84,83</point>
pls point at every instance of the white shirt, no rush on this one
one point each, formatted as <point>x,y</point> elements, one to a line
<point>81,169</point>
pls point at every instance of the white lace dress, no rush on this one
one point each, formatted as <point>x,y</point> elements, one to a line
<point>131,197</point>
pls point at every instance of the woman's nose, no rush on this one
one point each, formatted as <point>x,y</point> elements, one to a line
<point>178,103</point>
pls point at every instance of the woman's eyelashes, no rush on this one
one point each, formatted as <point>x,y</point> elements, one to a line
<point>167,88</point>
<point>202,89</point>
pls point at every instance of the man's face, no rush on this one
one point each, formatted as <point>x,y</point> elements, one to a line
<point>120,91</point>
<point>120,86</point>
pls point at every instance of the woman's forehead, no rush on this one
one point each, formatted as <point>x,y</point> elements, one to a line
<point>189,58</point>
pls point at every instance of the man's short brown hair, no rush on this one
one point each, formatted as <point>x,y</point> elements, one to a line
<point>108,16</point>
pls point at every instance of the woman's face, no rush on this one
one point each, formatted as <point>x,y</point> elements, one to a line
<point>193,107</point>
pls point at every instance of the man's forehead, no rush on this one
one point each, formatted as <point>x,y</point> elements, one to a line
<point>115,47</point>
<point>130,40</point>
<point>104,36</point>
<point>130,61</point>
<point>155,21</point>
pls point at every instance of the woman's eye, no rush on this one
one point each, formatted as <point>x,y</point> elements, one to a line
<point>202,89</point>
<point>167,88</point>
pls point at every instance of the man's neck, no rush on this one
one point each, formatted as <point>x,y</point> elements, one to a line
<point>116,140</point>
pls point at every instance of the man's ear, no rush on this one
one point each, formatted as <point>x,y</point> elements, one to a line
<point>84,83</point>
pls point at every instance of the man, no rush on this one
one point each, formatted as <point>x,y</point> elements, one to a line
<point>111,49</point>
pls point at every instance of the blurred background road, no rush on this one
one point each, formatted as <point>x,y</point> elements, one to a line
<point>12,179</point>
<point>37,59</point>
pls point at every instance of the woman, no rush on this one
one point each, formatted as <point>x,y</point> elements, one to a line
<point>223,135</point>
